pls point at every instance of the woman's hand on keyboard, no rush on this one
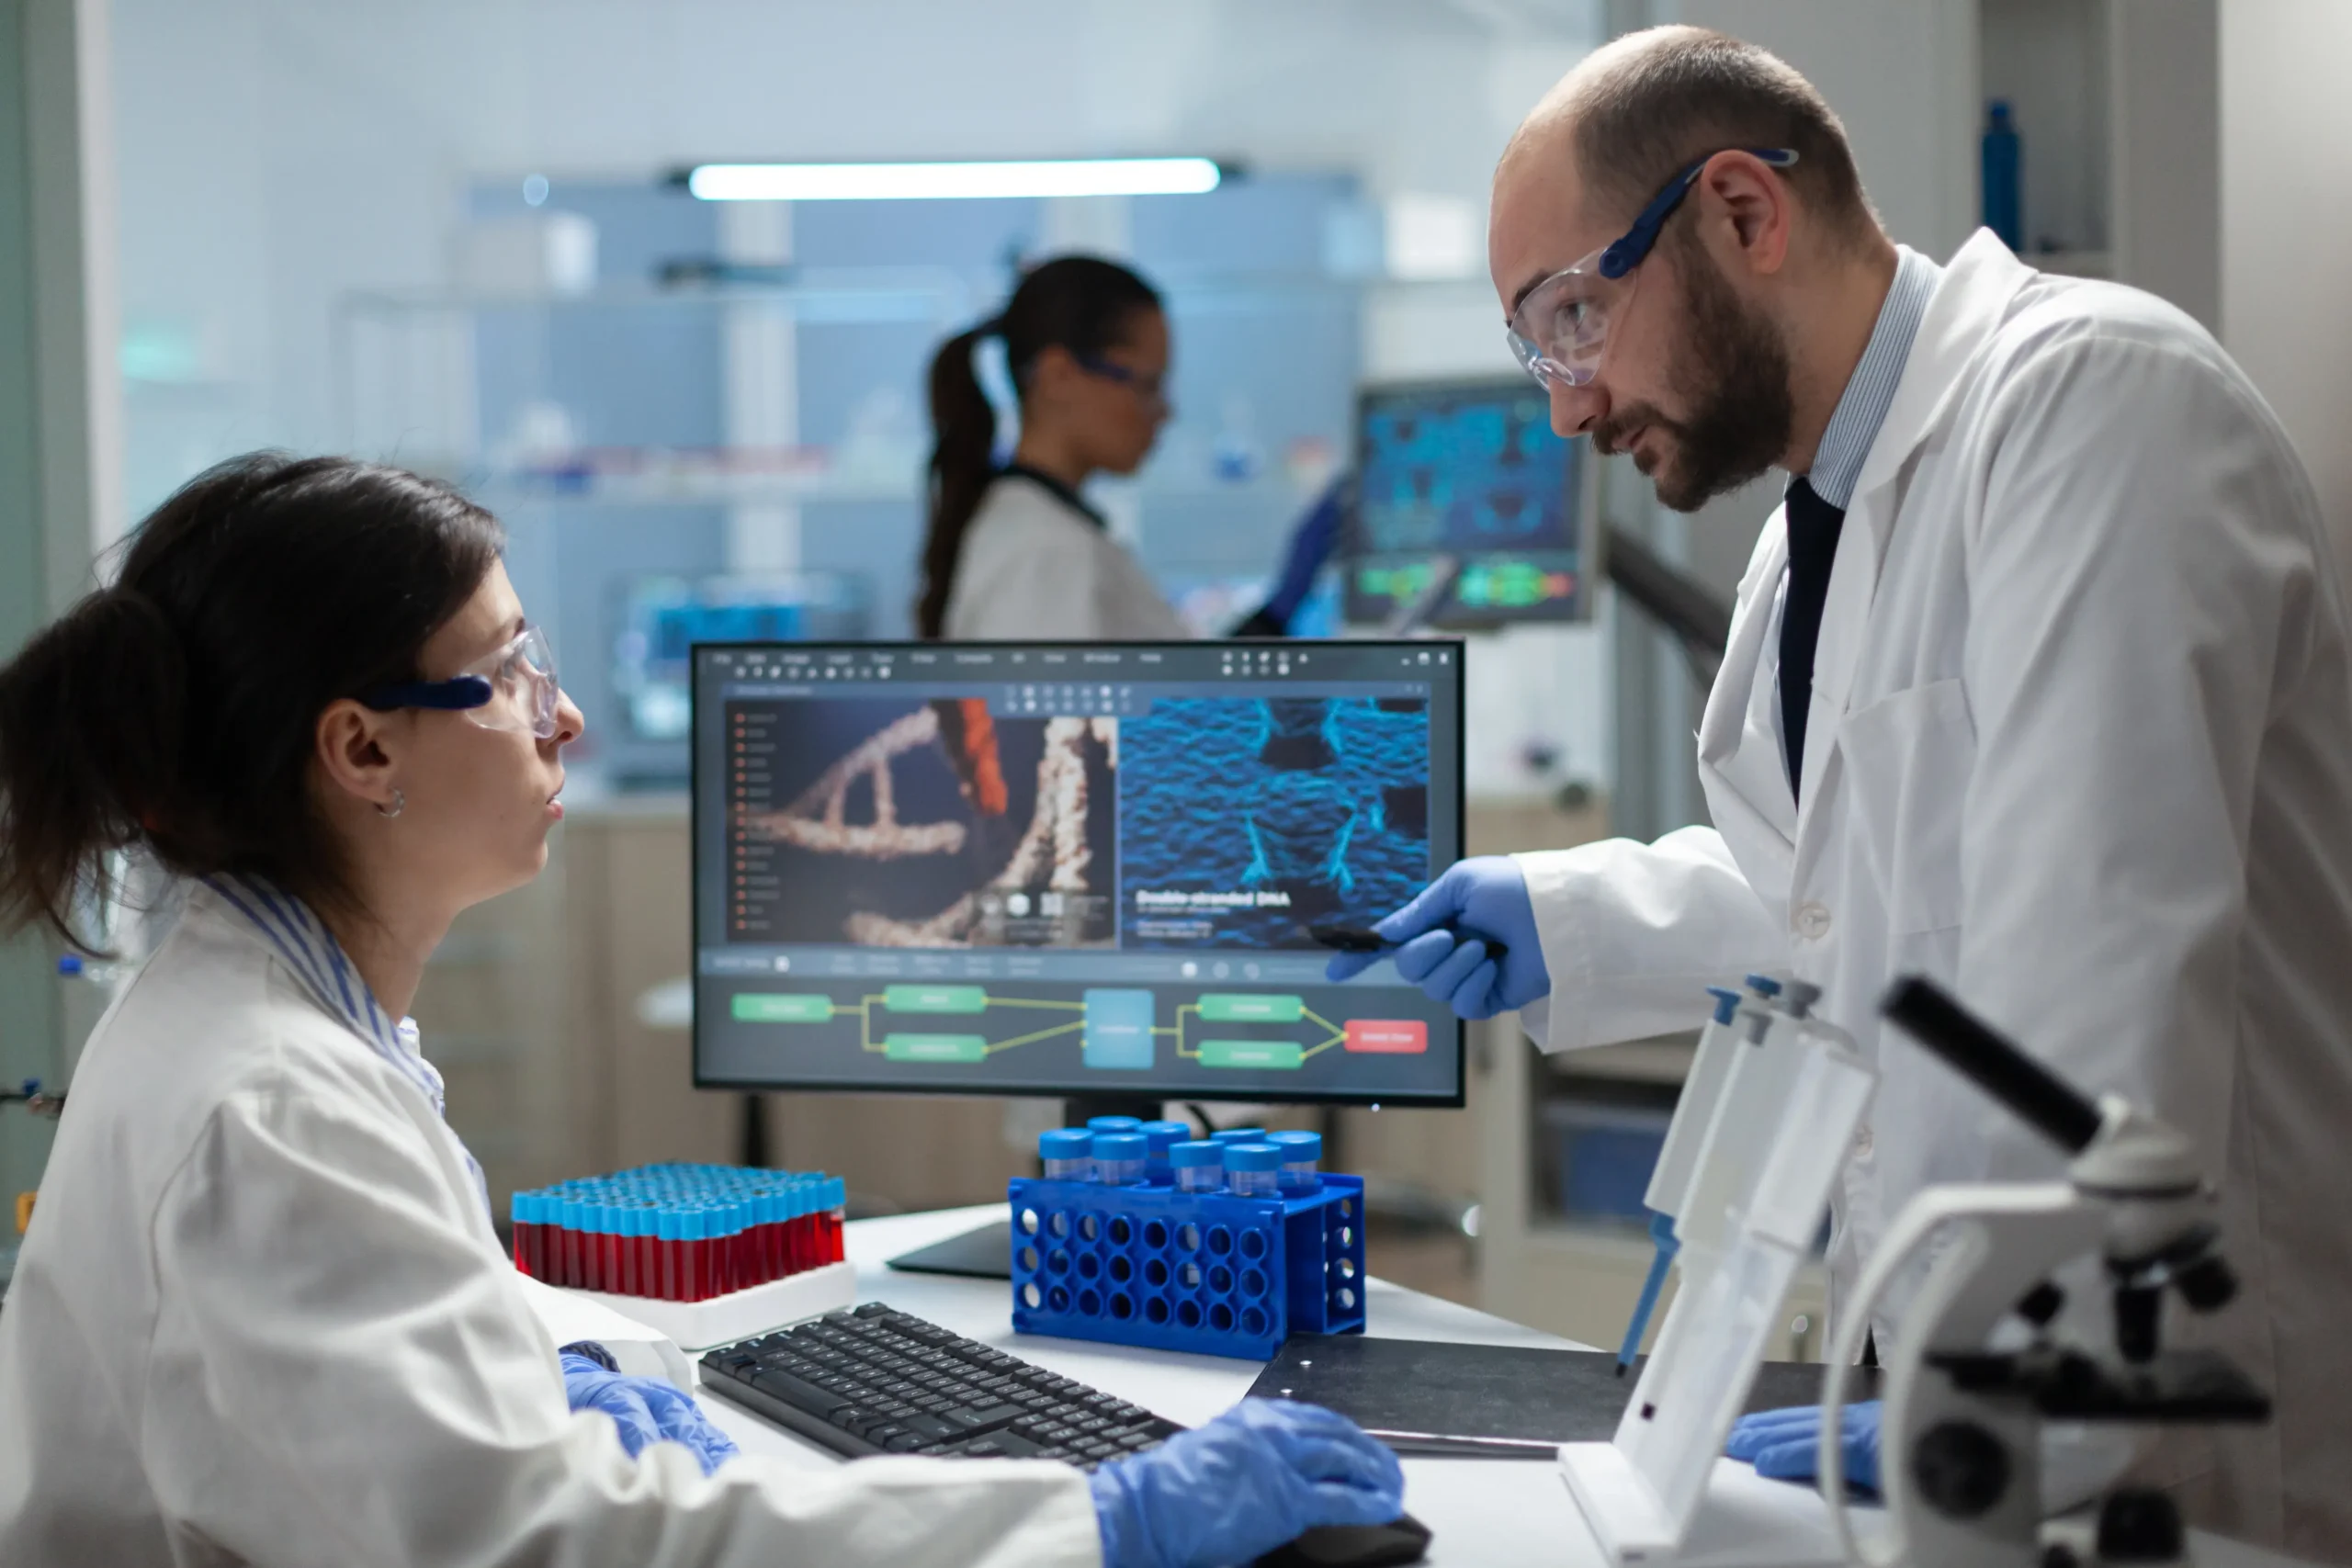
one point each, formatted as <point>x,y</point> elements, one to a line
<point>646,1410</point>
<point>1262,1473</point>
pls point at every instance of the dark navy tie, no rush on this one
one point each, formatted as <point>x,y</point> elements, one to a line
<point>1812,550</point>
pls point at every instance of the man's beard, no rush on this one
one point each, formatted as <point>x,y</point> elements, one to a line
<point>1734,379</point>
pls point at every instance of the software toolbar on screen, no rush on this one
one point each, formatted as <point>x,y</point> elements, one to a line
<point>1069,869</point>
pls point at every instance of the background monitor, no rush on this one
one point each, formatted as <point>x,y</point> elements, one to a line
<point>1075,870</point>
<point>1470,472</point>
<point>662,617</point>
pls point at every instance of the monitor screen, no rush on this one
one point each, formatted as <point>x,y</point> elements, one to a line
<point>1470,469</point>
<point>1069,869</point>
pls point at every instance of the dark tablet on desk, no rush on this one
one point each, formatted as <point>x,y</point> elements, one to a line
<point>1500,1401</point>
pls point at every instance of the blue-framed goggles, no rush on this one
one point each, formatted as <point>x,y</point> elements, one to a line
<point>514,688</point>
<point>1559,327</point>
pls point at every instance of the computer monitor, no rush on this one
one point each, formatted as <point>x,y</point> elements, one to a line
<point>1069,869</point>
<point>662,617</point>
<point>1466,477</point>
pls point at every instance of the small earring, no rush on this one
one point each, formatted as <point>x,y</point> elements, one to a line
<point>399,805</point>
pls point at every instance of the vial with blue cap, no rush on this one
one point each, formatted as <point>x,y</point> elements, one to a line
<point>1238,1136</point>
<point>1119,1158</point>
<point>1067,1153</point>
<point>1302,1154</point>
<point>1253,1170</point>
<point>1113,1123</point>
<point>1198,1167</point>
<point>1159,1137</point>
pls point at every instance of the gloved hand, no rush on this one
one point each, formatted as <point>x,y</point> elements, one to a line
<point>1786,1444</point>
<point>647,1410</point>
<point>1243,1485</point>
<point>1439,948</point>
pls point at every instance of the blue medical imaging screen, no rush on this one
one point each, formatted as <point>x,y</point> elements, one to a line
<point>1069,869</point>
<point>1470,469</point>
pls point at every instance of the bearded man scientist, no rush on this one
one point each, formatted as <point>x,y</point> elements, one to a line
<point>2038,685</point>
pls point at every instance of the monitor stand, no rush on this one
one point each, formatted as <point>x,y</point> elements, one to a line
<point>987,1253</point>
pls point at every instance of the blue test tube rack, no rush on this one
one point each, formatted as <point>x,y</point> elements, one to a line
<point>1215,1274</point>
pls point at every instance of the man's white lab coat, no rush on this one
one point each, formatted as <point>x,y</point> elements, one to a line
<point>1035,568</point>
<point>261,1317</point>
<point>2081,749</point>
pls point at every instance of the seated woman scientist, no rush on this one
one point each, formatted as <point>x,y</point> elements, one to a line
<point>261,1315</point>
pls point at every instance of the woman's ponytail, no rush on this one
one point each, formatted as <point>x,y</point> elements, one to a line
<point>93,714</point>
<point>963,462</point>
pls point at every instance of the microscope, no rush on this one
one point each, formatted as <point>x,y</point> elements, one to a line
<point>1979,1365</point>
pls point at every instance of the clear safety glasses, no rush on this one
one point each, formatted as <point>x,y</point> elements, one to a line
<point>513,689</point>
<point>1560,326</point>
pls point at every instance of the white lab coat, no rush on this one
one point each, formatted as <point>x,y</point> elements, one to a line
<point>2081,749</point>
<point>261,1317</point>
<point>1033,568</point>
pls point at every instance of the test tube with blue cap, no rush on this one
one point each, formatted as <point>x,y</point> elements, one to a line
<point>1067,1153</point>
<point>1113,1123</point>
<point>1238,1136</point>
<point>1158,1138</point>
<point>1253,1170</point>
<point>1119,1158</point>
<point>1302,1154</point>
<point>1198,1166</point>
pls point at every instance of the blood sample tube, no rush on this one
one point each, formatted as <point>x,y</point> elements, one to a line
<point>1253,1170</point>
<point>836,1216</point>
<point>669,1230</point>
<point>649,1248</point>
<point>518,1211</point>
<point>1067,1153</point>
<point>573,1272</point>
<point>1197,1167</point>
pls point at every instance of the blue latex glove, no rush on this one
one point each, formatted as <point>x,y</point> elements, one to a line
<point>647,1410</point>
<point>1248,1482</point>
<point>1786,1444</point>
<point>1438,947</point>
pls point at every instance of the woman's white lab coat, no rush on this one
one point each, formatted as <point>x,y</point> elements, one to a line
<point>261,1317</point>
<point>2081,748</point>
<point>1036,567</point>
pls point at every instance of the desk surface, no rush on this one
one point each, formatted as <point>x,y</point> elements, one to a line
<point>1495,1513</point>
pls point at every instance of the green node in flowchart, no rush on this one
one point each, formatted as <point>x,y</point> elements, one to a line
<point>934,1048</point>
<point>1276,1054</point>
<point>1250,1006</point>
<point>934,999</point>
<point>781,1007</point>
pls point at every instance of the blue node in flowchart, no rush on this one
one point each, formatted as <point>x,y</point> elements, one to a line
<point>1118,1028</point>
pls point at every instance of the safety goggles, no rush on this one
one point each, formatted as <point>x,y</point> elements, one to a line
<point>1150,389</point>
<point>1559,327</point>
<point>513,689</point>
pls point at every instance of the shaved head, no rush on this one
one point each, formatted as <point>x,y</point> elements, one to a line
<point>1637,111</point>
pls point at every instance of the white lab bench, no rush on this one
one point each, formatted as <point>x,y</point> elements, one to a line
<point>1491,1513</point>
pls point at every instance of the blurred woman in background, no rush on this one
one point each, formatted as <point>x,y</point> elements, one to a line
<point>1015,553</point>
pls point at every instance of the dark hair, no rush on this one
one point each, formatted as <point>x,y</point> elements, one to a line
<point>1691,92</point>
<point>176,709</point>
<point>1079,304</point>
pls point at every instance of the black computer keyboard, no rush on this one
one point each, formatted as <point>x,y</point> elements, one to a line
<point>875,1380</point>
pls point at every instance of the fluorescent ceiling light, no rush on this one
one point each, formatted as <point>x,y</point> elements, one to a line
<point>933,182</point>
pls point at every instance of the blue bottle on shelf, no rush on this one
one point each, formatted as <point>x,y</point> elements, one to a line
<point>2000,177</point>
